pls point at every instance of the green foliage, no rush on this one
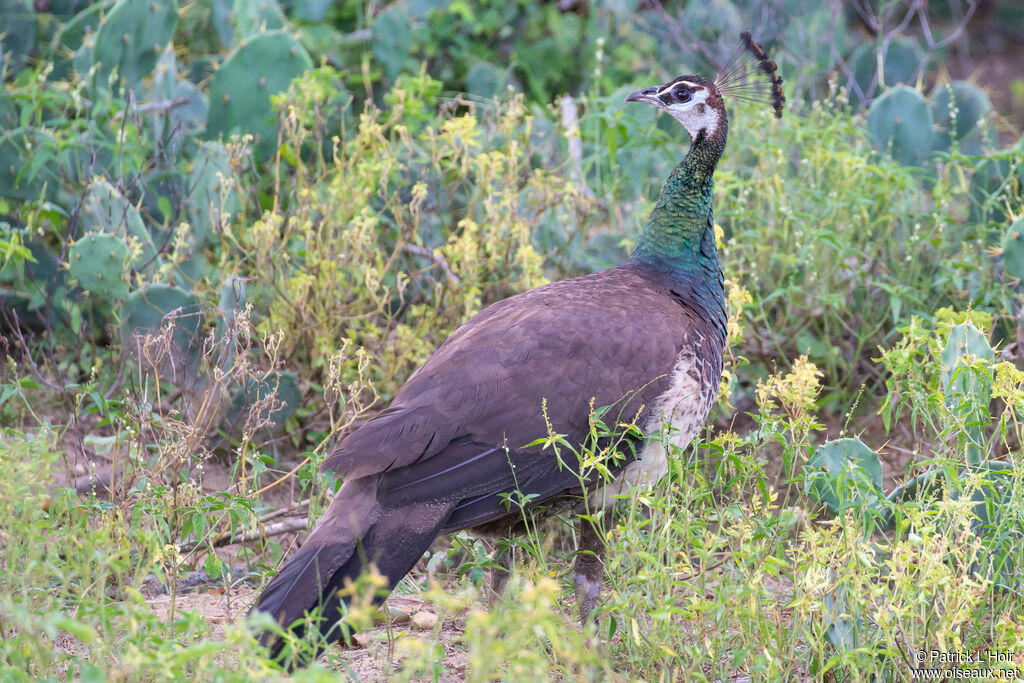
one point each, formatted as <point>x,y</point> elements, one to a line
<point>38,178</point>
<point>711,20</point>
<point>901,123</point>
<point>240,94</point>
<point>391,211</point>
<point>132,36</point>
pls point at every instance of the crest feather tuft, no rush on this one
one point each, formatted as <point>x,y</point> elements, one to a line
<point>751,76</point>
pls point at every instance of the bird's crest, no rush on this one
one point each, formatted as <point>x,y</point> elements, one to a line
<point>749,75</point>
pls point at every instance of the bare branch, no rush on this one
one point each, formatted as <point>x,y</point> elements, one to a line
<point>433,257</point>
<point>288,525</point>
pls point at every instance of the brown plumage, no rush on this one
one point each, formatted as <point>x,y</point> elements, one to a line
<point>645,338</point>
<point>453,439</point>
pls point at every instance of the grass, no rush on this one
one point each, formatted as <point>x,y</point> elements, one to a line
<point>847,273</point>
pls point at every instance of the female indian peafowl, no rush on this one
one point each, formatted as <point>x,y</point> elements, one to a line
<point>646,336</point>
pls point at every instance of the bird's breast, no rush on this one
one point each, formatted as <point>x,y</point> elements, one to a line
<point>675,417</point>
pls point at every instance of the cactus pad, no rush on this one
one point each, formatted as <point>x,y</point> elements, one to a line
<point>253,17</point>
<point>132,36</point>
<point>283,386</point>
<point>1013,250</point>
<point>902,63</point>
<point>965,339</point>
<point>212,191</point>
<point>901,119</point>
<point>241,89</point>
<point>18,32</point>
<point>145,310</point>
<point>973,107</point>
<point>105,210</point>
<point>844,473</point>
<point>97,261</point>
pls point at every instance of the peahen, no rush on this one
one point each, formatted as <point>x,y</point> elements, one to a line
<point>646,336</point>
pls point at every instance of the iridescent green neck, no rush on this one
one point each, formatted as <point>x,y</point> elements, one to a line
<point>679,238</point>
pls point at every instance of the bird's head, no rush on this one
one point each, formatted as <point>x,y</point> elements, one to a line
<point>699,103</point>
<point>693,101</point>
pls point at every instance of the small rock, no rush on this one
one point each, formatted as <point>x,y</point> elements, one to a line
<point>424,620</point>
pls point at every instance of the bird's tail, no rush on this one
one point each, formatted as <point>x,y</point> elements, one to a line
<point>354,532</point>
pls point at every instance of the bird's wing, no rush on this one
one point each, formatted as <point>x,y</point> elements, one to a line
<point>611,337</point>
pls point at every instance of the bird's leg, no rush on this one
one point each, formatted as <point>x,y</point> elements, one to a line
<point>589,569</point>
<point>499,575</point>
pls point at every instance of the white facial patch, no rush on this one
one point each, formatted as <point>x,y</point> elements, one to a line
<point>694,114</point>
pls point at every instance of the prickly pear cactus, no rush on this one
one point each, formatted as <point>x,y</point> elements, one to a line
<point>713,20</point>
<point>253,17</point>
<point>997,186</point>
<point>241,89</point>
<point>8,112</point>
<point>165,76</point>
<point>967,391</point>
<point>391,35</point>
<point>145,310</point>
<point>106,210</point>
<point>213,194</point>
<point>18,32</point>
<point>132,36</point>
<point>900,120</point>
<point>98,261</point>
<point>65,9</point>
<point>965,339</point>
<point>485,80</point>
<point>283,386</point>
<point>220,16</point>
<point>68,41</point>
<point>188,117</point>
<point>844,473</point>
<point>312,11</point>
<point>232,301</point>
<point>960,110</point>
<point>1013,250</point>
<point>902,62</point>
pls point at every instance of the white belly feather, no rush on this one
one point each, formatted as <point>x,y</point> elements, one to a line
<point>674,420</point>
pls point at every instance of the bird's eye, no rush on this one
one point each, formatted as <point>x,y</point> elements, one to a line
<point>683,95</point>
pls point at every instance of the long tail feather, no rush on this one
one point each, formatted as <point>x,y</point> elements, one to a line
<point>354,532</point>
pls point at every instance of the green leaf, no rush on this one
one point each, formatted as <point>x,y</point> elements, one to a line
<point>83,632</point>
<point>213,566</point>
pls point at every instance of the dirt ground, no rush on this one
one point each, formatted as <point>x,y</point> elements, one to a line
<point>370,660</point>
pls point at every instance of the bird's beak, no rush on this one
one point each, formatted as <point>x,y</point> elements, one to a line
<point>644,95</point>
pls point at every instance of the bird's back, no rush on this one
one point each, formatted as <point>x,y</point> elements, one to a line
<point>613,338</point>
